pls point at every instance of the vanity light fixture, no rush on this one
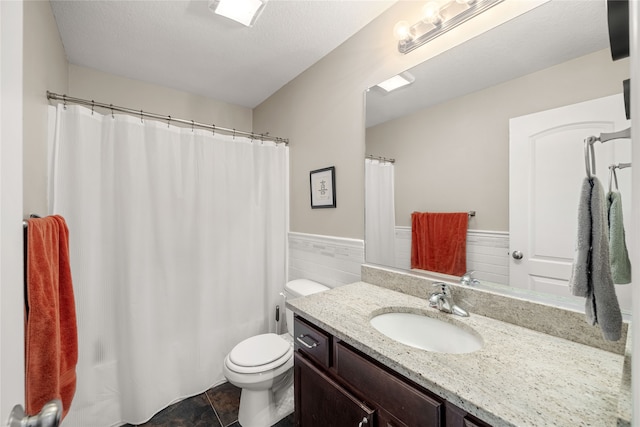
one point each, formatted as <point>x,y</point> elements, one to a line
<point>438,17</point>
<point>245,12</point>
<point>397,81</point>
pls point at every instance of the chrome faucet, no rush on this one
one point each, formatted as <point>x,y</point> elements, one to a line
<point>467,279</point>
<point>442,299</point>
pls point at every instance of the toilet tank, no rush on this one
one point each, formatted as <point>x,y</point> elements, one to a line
<point>300,288</point>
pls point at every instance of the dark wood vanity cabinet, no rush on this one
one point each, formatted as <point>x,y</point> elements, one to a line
<point>336,385</point>
<point>324,402</point>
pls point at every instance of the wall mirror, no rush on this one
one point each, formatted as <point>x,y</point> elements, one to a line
<point>449,134</point>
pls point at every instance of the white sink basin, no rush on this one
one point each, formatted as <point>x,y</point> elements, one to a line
<point>427,333</point>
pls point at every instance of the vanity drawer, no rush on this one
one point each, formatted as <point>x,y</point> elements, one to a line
<point>312,341</point>
<point>410,405</point>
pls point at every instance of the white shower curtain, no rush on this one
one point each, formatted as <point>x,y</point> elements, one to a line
<point>380,217</point>
<point>178,252</point>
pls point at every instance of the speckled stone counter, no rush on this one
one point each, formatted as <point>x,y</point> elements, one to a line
<point>520,377</point>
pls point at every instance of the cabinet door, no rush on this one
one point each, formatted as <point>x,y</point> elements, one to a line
<point>321,402</point>
<point>469,421</point>
<point>406,403</point>
<point>385,419</point>
<point>457,417</point>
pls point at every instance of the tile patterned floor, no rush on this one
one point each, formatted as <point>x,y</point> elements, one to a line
<point>217,407</point>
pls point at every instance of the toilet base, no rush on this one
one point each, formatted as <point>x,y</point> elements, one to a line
<point>264,408</point>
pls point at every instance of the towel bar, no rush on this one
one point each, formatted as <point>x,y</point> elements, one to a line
<point>25,223</point>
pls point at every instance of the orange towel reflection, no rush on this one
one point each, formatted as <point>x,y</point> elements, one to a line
<point>439,242</point>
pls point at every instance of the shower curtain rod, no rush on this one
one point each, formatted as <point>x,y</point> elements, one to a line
<point>382,159</point>
<point>68,99</point>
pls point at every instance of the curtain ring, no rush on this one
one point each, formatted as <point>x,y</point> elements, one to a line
<point>234,134</point>
<point>141,121</point>
<point>213,129</point>
<point>112,116</point>
<point>64,101</point>
<point>168,120</point>
<point>93,104</point>
<point>192,124</point>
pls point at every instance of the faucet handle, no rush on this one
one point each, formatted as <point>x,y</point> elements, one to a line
<point>439,293</point>
<point>442,288</point>
<point>467,279</point>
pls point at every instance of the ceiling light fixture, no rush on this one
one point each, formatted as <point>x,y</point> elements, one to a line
<point>438,17</point>
<point>245,12</point>
<point>397,81</point>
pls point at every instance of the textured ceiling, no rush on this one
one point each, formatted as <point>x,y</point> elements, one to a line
<point>550,34</point>
<point>182,45</point>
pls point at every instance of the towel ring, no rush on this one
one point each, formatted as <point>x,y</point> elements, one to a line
<point>590,156</point>
<point>613,177</point>
<point>613,174</point>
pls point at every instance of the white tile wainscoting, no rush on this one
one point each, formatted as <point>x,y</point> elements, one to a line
<point>336,261</point>
<point>332,261</point>
<point>487,253</point>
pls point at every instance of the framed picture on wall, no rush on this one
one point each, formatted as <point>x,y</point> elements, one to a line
<point>323,188</point>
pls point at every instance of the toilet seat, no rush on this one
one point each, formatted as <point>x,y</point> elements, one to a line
<point>259,353</point>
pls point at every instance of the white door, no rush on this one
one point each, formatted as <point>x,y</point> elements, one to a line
<point>547,167</point>
<point>11,257</point>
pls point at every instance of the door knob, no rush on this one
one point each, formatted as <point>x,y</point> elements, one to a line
<point>517,255</point>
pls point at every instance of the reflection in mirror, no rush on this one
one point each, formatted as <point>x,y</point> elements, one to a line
<point>449,132</point>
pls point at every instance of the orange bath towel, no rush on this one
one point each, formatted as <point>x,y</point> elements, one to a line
<point>439,242</point>
<point>51,339</point>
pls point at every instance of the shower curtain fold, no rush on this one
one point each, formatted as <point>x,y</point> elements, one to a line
<point>173,228</point>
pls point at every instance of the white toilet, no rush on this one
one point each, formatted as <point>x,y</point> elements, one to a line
<point>262,366</point>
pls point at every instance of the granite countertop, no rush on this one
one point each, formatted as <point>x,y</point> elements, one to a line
<point>520,377</point>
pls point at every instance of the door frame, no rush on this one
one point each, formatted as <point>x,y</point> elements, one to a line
<point>11,190</point>
<point>634,33</point>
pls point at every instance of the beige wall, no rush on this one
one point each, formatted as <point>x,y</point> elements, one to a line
<point>322,112</point>
<point>108,88</point>
<point>45,68</point>
<point>455,156</point>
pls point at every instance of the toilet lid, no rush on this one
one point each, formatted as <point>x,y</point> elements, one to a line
<point>259,350</point>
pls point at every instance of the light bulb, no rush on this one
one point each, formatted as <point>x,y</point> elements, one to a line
<point>431,13</point>
<point>402,30</point>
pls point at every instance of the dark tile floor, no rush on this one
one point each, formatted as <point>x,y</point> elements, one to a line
<point>217,407</point>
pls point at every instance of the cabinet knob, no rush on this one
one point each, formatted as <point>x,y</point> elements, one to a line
<point>364,422</point>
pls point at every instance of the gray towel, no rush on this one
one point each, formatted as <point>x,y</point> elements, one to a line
<point>618,255</point>
<point>579,281</point>
<point>591,272</point>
